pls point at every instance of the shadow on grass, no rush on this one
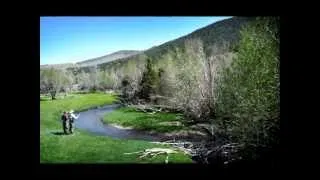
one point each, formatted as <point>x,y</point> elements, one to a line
<point>59,133</point>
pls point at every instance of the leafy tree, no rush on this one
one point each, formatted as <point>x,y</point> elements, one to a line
<point>248,91</point>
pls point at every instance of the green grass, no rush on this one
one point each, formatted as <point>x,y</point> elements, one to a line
<point>59,96</point>
<point>143,121</point>
<point>83,147</point>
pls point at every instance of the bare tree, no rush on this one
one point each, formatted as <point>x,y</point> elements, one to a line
<point>193,73</point>
<point>93,78</point>
<point>84,80</point>
<point>68,81</point>
<point>52,81</point>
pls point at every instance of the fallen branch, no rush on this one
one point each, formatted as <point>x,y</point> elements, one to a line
<point>152,109</point>
<point>231,145</point>
<point>144,108</point>
<point>134,152</point>
<point>154,152</point>
<point>187,151</point>
<point>182,146</point>
<point>178,143</point>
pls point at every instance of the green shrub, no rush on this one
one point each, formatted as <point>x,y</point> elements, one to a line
<point>248,92</point>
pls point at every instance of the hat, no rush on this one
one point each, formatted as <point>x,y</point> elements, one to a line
<point>71,111</point>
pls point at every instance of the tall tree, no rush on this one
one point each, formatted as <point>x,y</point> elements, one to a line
<point>148,82</point>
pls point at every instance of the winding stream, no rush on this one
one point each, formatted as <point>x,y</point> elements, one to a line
<point>91,121</point>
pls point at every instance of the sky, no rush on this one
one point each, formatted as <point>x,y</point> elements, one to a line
<point>74,39</point>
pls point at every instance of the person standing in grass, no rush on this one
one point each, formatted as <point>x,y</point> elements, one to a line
<point>71,118</point>
<point>65,119</point>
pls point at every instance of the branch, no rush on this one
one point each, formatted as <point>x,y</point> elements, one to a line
<point>154,152</point>
<point>180,146</point>
<point>133,152</point>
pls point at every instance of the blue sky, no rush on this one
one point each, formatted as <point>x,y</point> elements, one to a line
<point>73,39</point>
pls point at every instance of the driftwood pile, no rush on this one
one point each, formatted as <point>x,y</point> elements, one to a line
<point>200,152</point>
<point>154,152</point>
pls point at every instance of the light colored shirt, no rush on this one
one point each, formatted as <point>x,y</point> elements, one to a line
<point>74,116</point>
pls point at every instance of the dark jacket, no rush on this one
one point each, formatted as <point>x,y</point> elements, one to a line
<point>64,117</point>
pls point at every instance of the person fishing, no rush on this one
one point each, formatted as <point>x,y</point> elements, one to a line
<point>65,119</point>
<point>71,118</point>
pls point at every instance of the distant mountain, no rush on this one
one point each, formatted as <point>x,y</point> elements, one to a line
<point>224,31</point>
<point>63,65</point>
<point>95,61</point>
<point>108,58</point>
